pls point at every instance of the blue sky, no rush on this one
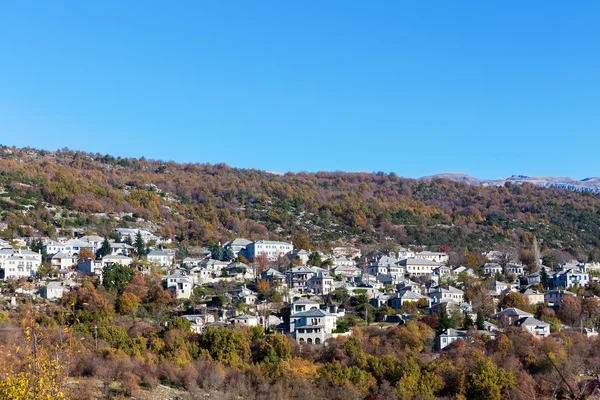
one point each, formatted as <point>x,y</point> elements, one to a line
<point>486,88</point>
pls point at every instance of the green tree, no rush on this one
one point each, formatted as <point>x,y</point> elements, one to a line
<point>228,255</point>
<point>314,259</point>
<point>274,349</point>
<point>445,320</point>
<point>340,296</point>
<point>38,247</point>
<point>139,245</point>
<point>116,277</point>
<point>182,324</point>
<point>487,381</point>
<point>550,260</point>
<point>229,346</point>
<point>218,253</point>
<point>544,278</point>
<point>480,321</point>
<point>105,249</point>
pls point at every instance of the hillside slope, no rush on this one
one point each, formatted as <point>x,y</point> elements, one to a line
<point>195,202</point>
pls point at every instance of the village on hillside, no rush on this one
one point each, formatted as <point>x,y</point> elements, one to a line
<point>311,295</point>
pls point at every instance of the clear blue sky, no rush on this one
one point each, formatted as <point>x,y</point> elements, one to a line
<point>486,88</point>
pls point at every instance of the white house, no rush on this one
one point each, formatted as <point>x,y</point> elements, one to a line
<point>442,293</point>
<point>117,259</point>
<point>449,336</point>
<point>343,262</point>
<point>244,319</point>
<point>382,265</point>
<point>499,287</point>
<point>491,268</point>
<point>54,290</point>
<point>272,249</point>
<point>320,284</point>
<point>407,296</point>
<point>19,263</point>
<point>71,247</point>
<point>179,284</point>
<point>237,246</point>
<point>534,326</point>
<point>160,257</point>
<point>122,249</point>
<point>404,253</point>
<point>420,266</point>
<point>63,260</point>
<point>313,325</point>
<point>434,256</point>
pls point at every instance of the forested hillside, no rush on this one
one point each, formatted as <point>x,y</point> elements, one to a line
<point>41,191</point>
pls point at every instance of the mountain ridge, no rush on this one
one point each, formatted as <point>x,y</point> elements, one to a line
<point>43,193</point>
<point>590,184</point>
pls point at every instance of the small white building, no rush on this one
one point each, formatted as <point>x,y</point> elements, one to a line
<point>449,336</point>
<point>180,285</point>
<point>160,257</point>
<point>396,300</point>
<point>116,259</point>
<point>54,290</point>
<point>244,319</point>
<point>434,256</point>
<point>63,260</point>
<point>122,249</point>
<point>534,326</point>
<point>237,246</point>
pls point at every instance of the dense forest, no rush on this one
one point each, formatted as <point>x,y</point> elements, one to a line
<point>42,191</point>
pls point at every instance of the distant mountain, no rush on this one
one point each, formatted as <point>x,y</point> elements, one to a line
<point>585,185</point>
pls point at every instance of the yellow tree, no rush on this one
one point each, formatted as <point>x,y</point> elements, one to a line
<point>129,303</point>
<point>86,254</point>
<point>39,368</point>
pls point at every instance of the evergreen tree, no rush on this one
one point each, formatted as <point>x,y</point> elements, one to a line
<point>468,322</point>
<point>480,321</point>
<point>228,255</point>
<point>38,247</point>
<point>116,277</point>
<point>139,245</point>
<point>444,321</point>
<point>544,278</point>
<point>314,259</point>
<point>105,249</point>
<point>218,253</point>
<point>127,240</point>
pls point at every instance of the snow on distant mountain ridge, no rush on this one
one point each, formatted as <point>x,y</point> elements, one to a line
<point>591,184</point>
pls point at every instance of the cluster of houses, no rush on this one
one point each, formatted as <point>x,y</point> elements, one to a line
<point>401,281</point>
